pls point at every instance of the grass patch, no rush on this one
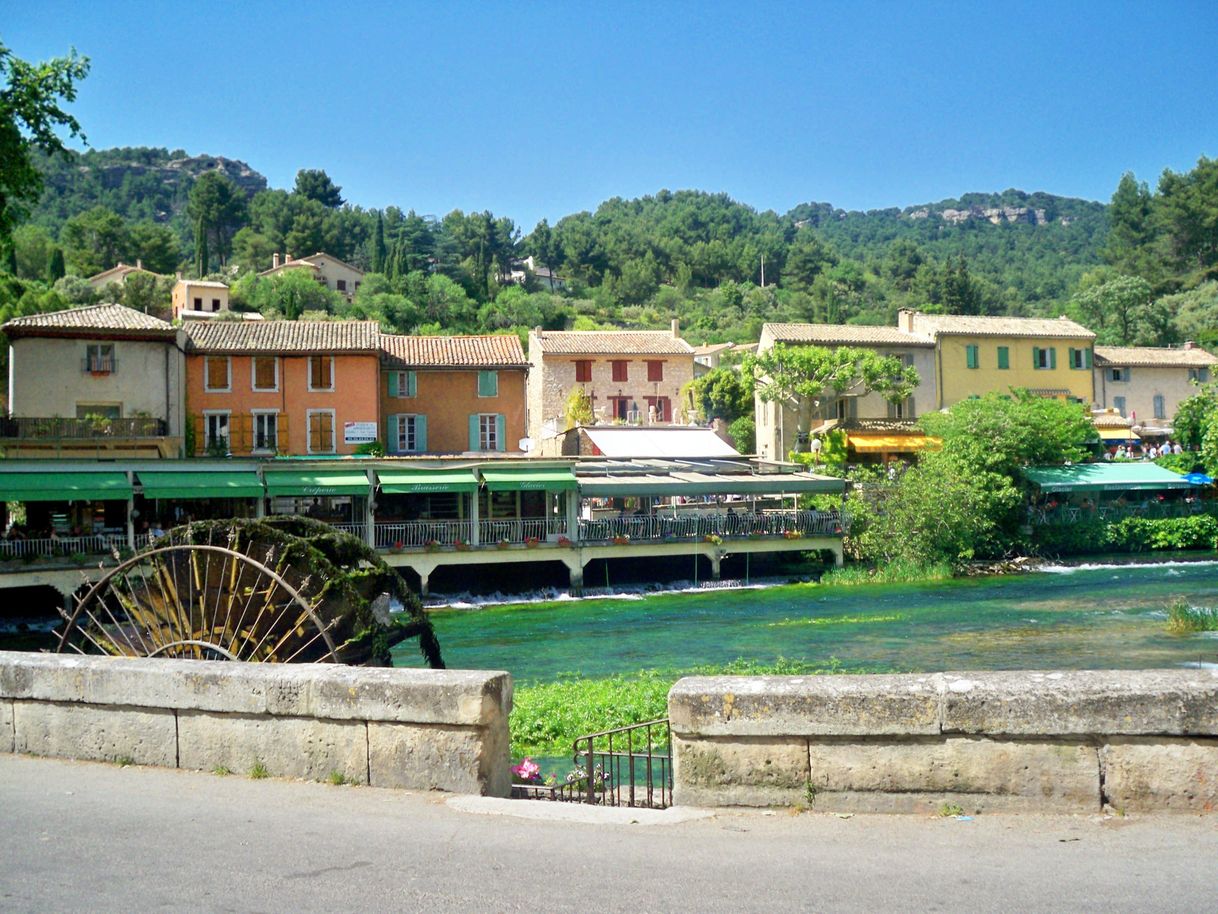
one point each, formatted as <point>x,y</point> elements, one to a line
<point>839,620</point>
<point>258,771</point>
<point>337,778</point>
<point>547,717</point>
<point>1183,619</point>
<point>221,771</point>
<point>124,761</point>
<point>948,810</point>
<point>897,572</point>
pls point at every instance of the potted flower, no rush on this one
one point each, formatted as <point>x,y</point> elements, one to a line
<point>564,541</point>
<point>503,543</point>
<point>397,547</point>
<point>530,542</point>
<point>792,534</point>
<point>621,539</point>
<point>713,538</point>
<point>431,545</point>
<point>527,772</point>
<point>461,545</point>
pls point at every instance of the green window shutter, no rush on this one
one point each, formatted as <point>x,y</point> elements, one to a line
<point>1087,358</point>
<point>500,428</point>
<point>412,384</point>
<point>488,383</point>
<point>391,433</point>
<point>393,383</point>
<point>1035,356</point>
<point>420,433</point>
<point>971,356</point>
<point>1052,356</point>
<point>1004,357</point>
<point>473,431</point>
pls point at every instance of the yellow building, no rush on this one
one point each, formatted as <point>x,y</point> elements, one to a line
<point>1051,357</point>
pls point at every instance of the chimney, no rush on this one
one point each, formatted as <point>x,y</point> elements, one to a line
<point>139,264</point>
<point>676,328</point>
<point>178,275</point>
<point>905,320</point>
<point>275,261</point>
<point>1190,344</point>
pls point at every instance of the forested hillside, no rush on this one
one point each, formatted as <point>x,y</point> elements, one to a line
<point>632,263</point>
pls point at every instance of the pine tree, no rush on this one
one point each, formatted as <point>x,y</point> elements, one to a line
<point>55,265</point>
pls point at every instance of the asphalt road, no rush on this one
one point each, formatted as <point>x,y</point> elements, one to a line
<point>97,837</point>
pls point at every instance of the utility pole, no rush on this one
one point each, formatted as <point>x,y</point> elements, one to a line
<point>763,271</point>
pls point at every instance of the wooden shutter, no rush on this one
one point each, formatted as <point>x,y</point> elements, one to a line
<point>500,433</point>
<point>1052,356</point>
<point>1087,363</point>
<point>412,384</point>
<point>420,433</point>
<point>393,383</point>
<point>473,432</point>
<point>391,434</point>
<point>488,384</point>
<point>1035,356</point>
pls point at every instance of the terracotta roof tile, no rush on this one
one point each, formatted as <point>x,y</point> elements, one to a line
<point>453,351</point>
<point>975,325</point>
<point>610,342</point>
<point>1146,357</point>
<point>101,318</point>
<point>842,334</point>
<point>282,336</point>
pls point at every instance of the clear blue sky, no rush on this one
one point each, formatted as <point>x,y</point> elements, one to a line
<point>543,109</point>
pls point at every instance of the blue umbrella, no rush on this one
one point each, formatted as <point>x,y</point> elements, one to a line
<point>1199,479</point>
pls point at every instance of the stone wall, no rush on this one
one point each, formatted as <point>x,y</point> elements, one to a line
<point>1019,741</point>
<point>418,729</point>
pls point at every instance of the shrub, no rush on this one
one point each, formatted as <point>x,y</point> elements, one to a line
<point>1183,619</point>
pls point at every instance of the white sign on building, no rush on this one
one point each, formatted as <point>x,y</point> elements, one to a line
<point>359,432</point>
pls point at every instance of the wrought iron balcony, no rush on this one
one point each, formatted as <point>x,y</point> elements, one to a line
<point>51,429</point>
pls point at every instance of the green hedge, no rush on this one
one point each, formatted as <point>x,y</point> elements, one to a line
<point>1131,534</point>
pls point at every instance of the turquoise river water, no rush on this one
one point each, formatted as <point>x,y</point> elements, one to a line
<point>1086,617</point>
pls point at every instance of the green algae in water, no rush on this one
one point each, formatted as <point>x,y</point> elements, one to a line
<point>1106,617</point>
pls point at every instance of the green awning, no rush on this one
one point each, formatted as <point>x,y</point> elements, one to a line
<point>529,479</point>
<point>420,482</point>
<point>707,484</point>
<point>316,482</point>
<point>181,484</point>
<point>64,486</point>
<point>1105,477</point>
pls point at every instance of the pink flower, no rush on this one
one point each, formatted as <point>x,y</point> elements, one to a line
<point>528,770</point>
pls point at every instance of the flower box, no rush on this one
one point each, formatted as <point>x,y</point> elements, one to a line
<point>531,542</point>
<point>621,540</point>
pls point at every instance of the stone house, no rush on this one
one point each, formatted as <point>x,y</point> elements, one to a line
<point>1147,384</point>
<point>631,376</point>
<point>326,269</point>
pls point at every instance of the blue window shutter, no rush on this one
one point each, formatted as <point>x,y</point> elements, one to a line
<point>391,446</point>
<point>414,383</point>
<point>499,433</point>
<point>420,433</point>
<point>1052,356</point>
<point>473,431</point>
<point>393,383</point>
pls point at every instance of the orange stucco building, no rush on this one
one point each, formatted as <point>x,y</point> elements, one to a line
<point>452,394</point>
<point>282,387</point>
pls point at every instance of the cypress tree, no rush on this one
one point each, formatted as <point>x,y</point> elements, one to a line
<point>378,245</point>
<point>55,265</point>
<point>201,254</point>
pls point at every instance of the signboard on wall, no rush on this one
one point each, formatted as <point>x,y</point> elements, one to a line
<point>359,432</point>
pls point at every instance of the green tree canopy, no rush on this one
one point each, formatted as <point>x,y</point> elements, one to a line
<point>315,184</point>
<point>217,209</point>
<point>722,393</point>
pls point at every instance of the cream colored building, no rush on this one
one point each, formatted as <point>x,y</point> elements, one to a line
<point>101,377</point>
<point>118,274</point>
<point>1147,384</point>
<point>329,271</point>
<point>779,423</point>
<point>632,376</point>
<point>195,299</point>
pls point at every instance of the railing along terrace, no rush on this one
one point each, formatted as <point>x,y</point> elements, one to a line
<point>521,529</point>
<point>53,427</point>
<point>698,526</point>
<point>1151,508</point>
<point>63,546</point>
<point>418,533</point>
<point>356,530</point>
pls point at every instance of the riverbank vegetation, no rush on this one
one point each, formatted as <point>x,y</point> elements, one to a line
<point>1185,619</point>
<point>898,571</point>
<point>1130,534</point>
<point>547,717</point>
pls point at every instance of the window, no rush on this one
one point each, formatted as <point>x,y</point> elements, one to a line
<point>662,407</point>
<point>488,383</point>
<point>321,372</point>
<point>266,430</point>
<point>619,370</point>
<point>321,431</point>
<point>1119,404</point>
<point>403,384</point>
<point>198,304</point>
<point>1044,358</point>
<point>264,372</point>
<point>619,408</point>
<point>486,432</point>
<point>902,409</point>
<point>1118,374</point>
<point>216,373</point>
<point>1200,375</point>
<point>215,431</point>
<point>583,370</point>
<point>99,358</point>
<point>971,356</point>
<point>1004,358</point>
<point>341,285</point>
<point>1160,407</point>
<point>407,434</point>
<point>1080,358</point>
<point>655,371</point>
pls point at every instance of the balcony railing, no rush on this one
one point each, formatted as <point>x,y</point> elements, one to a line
<point>699,526</point>
<point>92,545</point>
<point>56,428</point>
<point>521,529</point>
<point>99,365</point>
<point>416,534</point>
<point>1062,515</point>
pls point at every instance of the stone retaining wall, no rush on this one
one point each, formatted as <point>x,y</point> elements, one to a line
<point>1020,741</point>
<point>419,729</point>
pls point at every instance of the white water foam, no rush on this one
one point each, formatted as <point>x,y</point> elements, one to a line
<point>1122,566</point>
